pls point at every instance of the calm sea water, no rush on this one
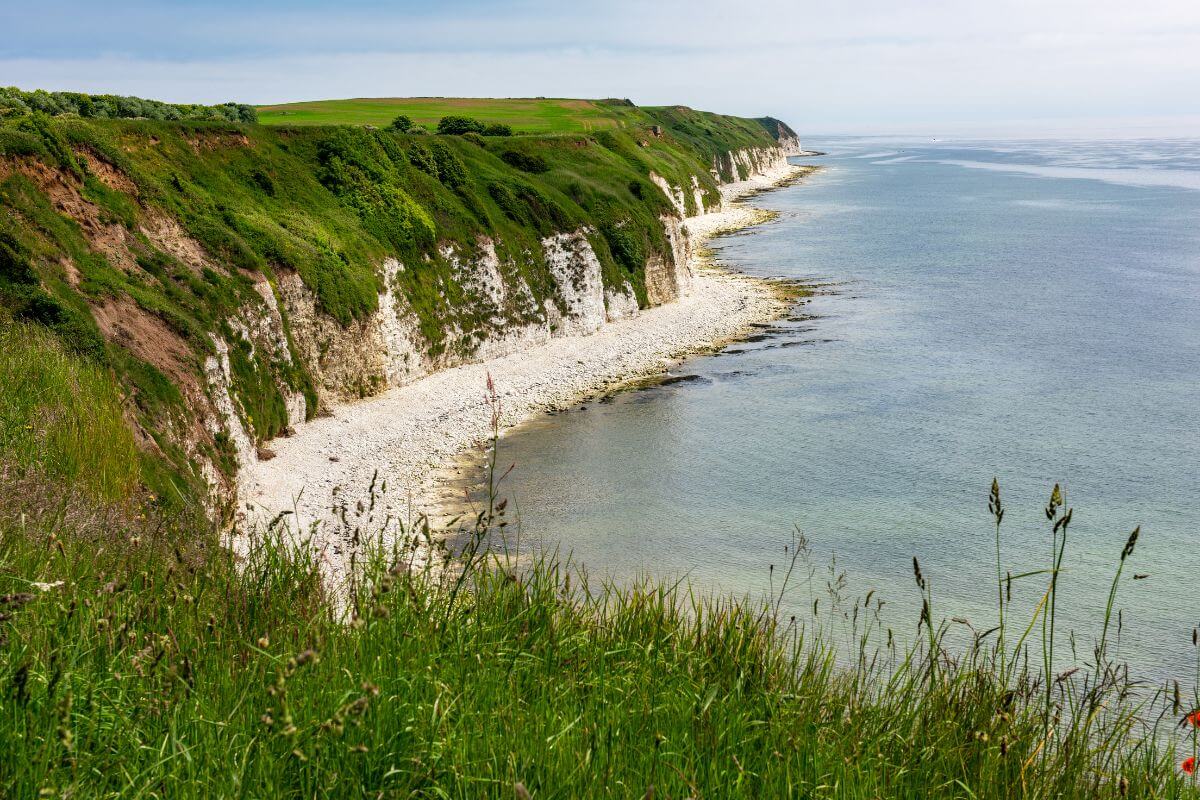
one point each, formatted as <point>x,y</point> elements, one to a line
<point>1025,310</point>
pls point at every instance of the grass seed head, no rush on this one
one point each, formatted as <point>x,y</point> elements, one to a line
<point>1131,543</point>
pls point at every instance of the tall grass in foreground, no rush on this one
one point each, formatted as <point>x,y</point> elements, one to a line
<point>151,671</point>
<point>135,667</point>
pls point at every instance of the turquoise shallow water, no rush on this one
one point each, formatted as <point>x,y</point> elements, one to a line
<point>1029,310</point>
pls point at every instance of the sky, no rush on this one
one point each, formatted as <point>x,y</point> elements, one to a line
<point>1005,67</point>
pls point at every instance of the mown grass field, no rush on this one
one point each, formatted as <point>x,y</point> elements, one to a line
<point>527,115</point>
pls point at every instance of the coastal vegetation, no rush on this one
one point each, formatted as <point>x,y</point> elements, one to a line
<point>16,103</point>
<point>711,133</point>
<point>458,125</point>
<point>139,243</point>
<point>141,658</point>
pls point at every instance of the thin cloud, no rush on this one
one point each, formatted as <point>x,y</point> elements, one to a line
<point>880,65</point>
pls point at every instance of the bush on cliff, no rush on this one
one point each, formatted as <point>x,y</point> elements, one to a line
<point>526,162</point>
<point>421,157</point>
<point>450,169</point>
<point>457,125</point>
<point>401,124</point>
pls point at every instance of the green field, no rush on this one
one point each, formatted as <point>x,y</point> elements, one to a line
<point>523,114</point>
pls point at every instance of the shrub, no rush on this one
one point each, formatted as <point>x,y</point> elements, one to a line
<point>401,124</point>
<point>498,129</point>
<point>507,201</point>
<point>12,104</point>
<point>364,178</point>
<point>38,306</point>
<point>263,181</point>
<point>528,205</point>
<point>450,169</point>
<point>475,139</point>
<point>628,248</point>
<point>16,142</point>
<point>526,162</point>
<point>15,266</point>
<point>454,125</point>
<point>420,156</point>
<point>41,100</point>
<point>352,147</point>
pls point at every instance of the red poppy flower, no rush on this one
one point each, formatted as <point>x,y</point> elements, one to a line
<point>1188,765</point>
<point>1194,718</point>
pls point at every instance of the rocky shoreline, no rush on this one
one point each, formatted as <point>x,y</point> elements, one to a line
<point>374,463</point>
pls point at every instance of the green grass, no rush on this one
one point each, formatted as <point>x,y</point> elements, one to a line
<point>61,418</point>
<point>159,671</point>
<point>541,115</point>
<point>700,131</point>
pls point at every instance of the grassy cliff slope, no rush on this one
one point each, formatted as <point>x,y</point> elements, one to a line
<point>159,252</point>
<point>132,668</point>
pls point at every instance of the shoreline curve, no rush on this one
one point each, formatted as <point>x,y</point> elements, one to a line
<point>326,480</point>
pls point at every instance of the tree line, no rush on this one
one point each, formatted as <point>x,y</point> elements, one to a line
<point>15,102</point>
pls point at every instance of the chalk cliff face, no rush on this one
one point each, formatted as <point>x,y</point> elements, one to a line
<point>576,272</point>
<point>790,145</point>
<point>787,138</point>
<point>739,165</point>
<point>670,275</point>
<point>364,357</point>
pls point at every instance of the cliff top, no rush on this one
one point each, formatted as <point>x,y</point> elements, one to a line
<point>541,115</point>
<point>525,115</point>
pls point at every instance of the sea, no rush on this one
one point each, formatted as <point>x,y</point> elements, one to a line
<point>1025,311</point>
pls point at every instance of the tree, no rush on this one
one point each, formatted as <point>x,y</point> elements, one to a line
<point>456,125</point>
<point>14,102</point>
<point>401,124</point>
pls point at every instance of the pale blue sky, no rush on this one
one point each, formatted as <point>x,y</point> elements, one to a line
<point>1005,67</point>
